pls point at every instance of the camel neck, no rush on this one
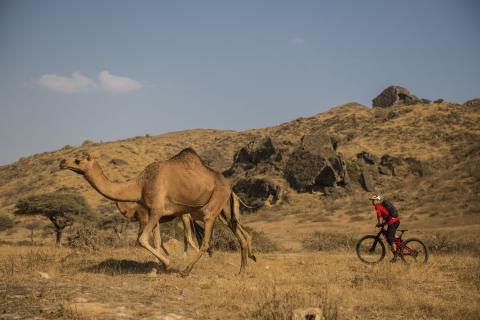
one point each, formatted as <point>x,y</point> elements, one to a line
<point>117,191</point>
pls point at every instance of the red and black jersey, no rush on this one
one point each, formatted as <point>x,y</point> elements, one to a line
<point>383,213</point>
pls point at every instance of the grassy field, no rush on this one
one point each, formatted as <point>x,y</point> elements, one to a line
<point>58,283</point>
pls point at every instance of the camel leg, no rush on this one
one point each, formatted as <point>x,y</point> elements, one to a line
<point>144,237</point>
<point>248,238</point>
<point>210,213</point>
<point>209,222</point>
<point>236,229</point>
<point>157,239</point>
<point>230,217</point>
<point>186,220</point>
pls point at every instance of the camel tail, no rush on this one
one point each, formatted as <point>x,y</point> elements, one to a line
<point>234,211</point>
<point>246,205</point>
<point>198,230</point>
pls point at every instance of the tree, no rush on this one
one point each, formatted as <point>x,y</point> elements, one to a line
<point>60,208</point>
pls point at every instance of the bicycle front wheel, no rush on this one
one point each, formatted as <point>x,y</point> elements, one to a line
<point>414,251</point>
<point>370,249</point>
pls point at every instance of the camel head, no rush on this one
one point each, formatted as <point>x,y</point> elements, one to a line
<point>78,164</point>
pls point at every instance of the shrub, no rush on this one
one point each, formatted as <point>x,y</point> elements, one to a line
<point>172,230</point>
<point>224,239</point>
<point>326,241</point>
<point>261,242</point>
<point>353,170</point>
<point>6,222</point>
<point>438,243</point>
<point>90,237</point>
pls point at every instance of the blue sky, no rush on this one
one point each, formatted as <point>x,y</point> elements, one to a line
<point>107,70</point>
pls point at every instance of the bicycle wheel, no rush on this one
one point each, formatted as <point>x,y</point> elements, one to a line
<point>413,251</point>
<point>370,249</point>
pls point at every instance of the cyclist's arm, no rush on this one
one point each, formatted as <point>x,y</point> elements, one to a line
<point>379,214</point>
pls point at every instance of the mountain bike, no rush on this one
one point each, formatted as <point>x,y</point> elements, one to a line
<point>371,248</point>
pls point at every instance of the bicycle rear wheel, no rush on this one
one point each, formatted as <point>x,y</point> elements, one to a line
<point>414,251</point>
<point>370,249</point>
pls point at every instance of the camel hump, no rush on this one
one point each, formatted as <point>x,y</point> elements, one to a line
<point>189,158</point>
<point>187,152</point>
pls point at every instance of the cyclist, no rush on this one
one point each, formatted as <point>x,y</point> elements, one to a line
<point>390,218</point>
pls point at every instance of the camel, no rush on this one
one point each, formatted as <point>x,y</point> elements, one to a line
<point>139,213</point>
<point>180,185</point>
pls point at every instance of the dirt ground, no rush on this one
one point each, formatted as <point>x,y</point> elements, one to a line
<point>58,283</point>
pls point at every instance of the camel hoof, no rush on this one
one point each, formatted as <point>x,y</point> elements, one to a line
<point>168,267</point>
<point>185,273</point>
<point>253,257</point>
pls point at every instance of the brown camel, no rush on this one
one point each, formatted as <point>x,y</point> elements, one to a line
<point>182,184</point>
<point>138,213</point>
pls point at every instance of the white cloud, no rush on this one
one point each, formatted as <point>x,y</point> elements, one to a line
<point>297,41</point>
<point>117,84</point>
<point>78,82</point>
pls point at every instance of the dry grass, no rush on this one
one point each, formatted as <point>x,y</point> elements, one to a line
<point>116,283</point>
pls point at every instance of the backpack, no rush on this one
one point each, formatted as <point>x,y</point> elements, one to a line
<point>390,208</point>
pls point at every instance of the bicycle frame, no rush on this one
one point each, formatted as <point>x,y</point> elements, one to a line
<point>401,251</point>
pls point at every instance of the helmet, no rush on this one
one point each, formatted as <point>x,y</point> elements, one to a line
<point>376,197</point>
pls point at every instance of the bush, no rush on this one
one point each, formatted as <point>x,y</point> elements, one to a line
<point>326,241</point>
<point>90,237</point>
<point>261,242</point>
<point>172,230</point>
<point>353,170</point>
<point>6,222</point>
<point>224,239</point>
<point>438,243</point>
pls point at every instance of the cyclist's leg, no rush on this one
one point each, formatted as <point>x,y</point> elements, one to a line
<point>391,230</point>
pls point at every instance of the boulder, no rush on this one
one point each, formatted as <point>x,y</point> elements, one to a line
<point>366,181</point>
<point>394,95</point>
<point>315,164</point>
<point>416,167</point>
<point>473,104</point>
<point>259,150</point>
<point>367,157</point>
<point>256,191</point>
<point>262,154</point>
<point>391,163</point>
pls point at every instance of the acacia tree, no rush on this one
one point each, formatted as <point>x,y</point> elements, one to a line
<point>62,209</point>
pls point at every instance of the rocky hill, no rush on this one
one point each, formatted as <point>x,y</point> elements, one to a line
<point>313,171</point>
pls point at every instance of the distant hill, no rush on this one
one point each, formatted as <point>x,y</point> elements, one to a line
<point>444,139</point>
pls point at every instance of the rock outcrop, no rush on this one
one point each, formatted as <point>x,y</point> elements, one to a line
<point>398,166</point>
<point>257,191</point>
<point>315,165</point>
<point>394,95</point>
<point>473,104</point>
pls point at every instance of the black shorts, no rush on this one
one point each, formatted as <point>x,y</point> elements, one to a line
<point>391,230</point>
